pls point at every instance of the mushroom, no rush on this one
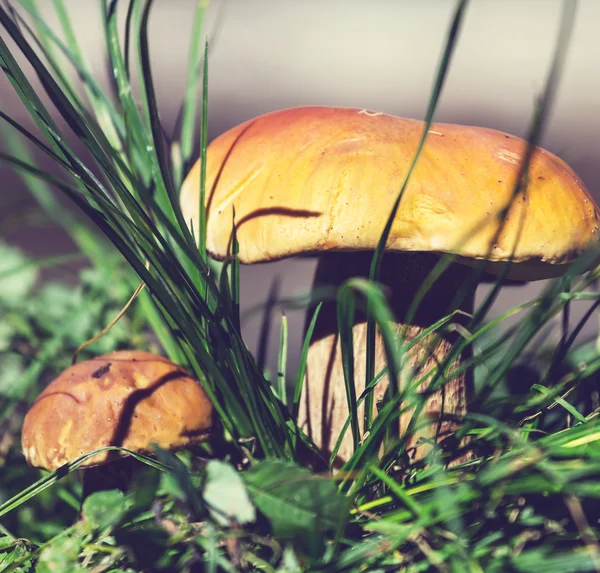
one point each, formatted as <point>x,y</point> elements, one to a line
<point>128,398</point>
<point>322,180</point>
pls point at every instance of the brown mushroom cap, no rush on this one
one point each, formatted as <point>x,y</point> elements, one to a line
<point>127,398</point>
<point>314,179</point>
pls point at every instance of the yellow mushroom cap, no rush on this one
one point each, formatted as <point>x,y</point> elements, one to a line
<point>313,179</point>
<point>130,399</point>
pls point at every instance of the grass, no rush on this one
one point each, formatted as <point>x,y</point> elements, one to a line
<point>527,501</point>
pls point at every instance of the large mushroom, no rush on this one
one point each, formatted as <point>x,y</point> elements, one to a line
<point>130,399</point>
<point>323,180</point>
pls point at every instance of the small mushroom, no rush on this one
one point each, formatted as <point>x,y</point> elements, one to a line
<point>322,180</point>
<point>129,399</point>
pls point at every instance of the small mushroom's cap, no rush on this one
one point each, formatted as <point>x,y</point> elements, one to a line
<point>313,179</point>
<point>128,398</point>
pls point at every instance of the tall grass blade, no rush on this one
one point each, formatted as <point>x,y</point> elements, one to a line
<point>188,114</point>
<point>345,319</point>
<point>235,276</point>
<point>442,72</point>
<point>203,157</point>
<point>265,327</point>
<point>533,137</point>
<point>302,363</point>
<point>282,361</point>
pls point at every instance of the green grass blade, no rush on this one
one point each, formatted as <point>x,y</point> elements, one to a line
<point>302,363</point>
<point>384,372</point>
<point>120,216</point>
<point>562,402</point>
<point>345,319</point>
<point>379,251</point>
<point>398,491</point>
<point>90,134</point>
<point>368,390</point>
<point>162,169</point>
<point>88,242</point>
<point>127,39</point>
<point>266,322</point>
<point>107,117</point>
<point>50,479</point>
<point>541,314</point>
<point>376,302</point>
<point>46,47</point>
<point>188,116</point>
<point>203,157</point>
<point>235,277</point>
<point>135,128</point>
<point>282,360</point>
<point>160,327</point>
<point>537,125</point>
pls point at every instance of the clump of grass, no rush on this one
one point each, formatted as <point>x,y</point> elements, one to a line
<point>526,501</point>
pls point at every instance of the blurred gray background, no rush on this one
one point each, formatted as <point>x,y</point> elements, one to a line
<point>381,55</point>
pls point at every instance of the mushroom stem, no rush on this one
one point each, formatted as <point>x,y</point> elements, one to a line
<point>113,475</point>
<point>324,408</point>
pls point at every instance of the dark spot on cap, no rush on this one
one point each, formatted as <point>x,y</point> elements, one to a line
<point>101,371</point>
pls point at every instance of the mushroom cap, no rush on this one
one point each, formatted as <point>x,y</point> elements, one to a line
<point>313,179</point>
<point>130,399</point>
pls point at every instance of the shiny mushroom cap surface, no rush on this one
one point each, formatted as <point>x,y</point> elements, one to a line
<point>130,399</point>
<point>314,179</point>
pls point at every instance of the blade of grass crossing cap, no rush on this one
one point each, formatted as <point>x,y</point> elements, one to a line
<point>379,251</point>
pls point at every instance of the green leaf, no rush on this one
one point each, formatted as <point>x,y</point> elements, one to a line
<point>7,331</point>
<point>104,509</point>
<point>289,562</point>
<point>53,302</point>
<point>226,495</point>
<point>143,490</point>
<point>149,546</point>
<point>62,555</point>
<point>548,561</point>
<point>179,480</point>
<point>17,275</point>
<point>12,367</point>
<point>13,552</point>
<point>300,506</point>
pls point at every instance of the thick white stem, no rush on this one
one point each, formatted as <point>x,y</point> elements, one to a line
<point>324,407</point>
